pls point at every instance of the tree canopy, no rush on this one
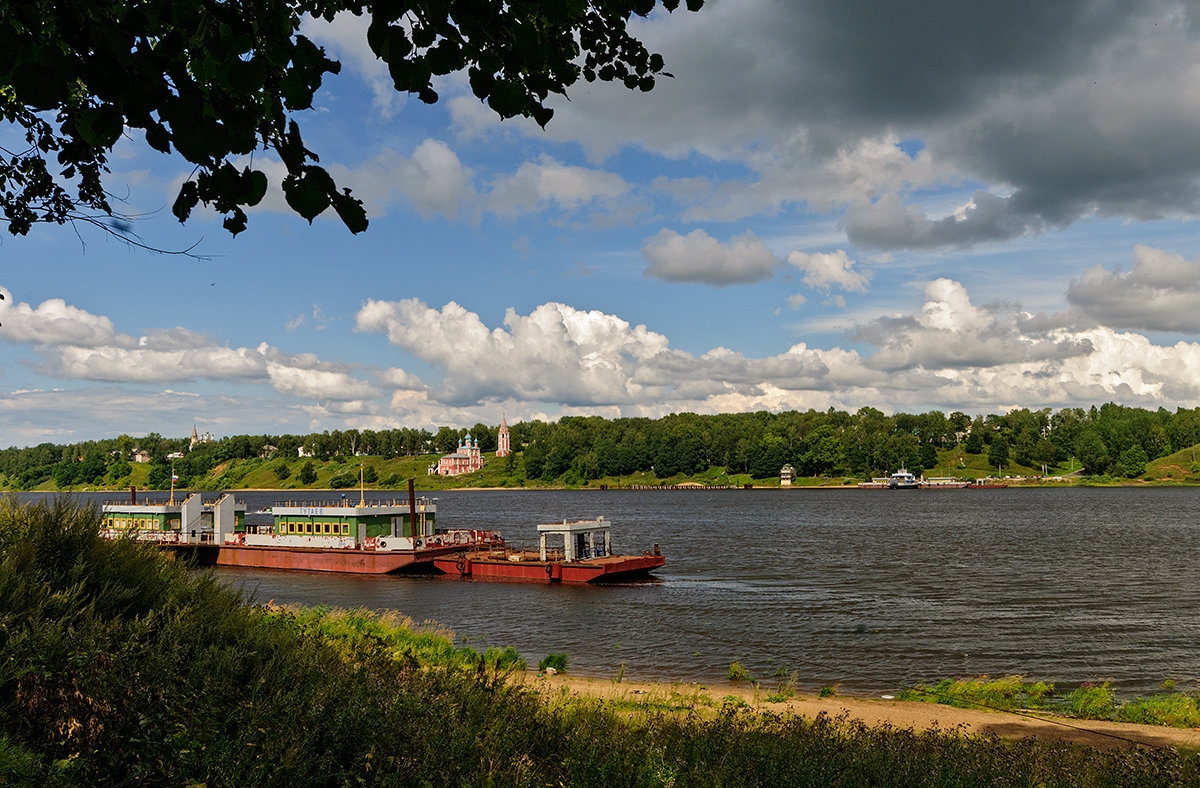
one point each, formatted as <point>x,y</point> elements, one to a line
<point>1109,439</point>
<point>214,80</point>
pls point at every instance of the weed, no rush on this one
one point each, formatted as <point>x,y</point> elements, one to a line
<point>1176,710</point>
<point>733,702</point>
<point>738,672</point>
<point>785,681</point>
<point>1006,693</point>
<point>1091,701</point>
<point>553,660</point>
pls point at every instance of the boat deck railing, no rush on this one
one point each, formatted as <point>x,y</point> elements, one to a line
<point>516,554</point>
<point>179,499</point>
<point>350,504</point>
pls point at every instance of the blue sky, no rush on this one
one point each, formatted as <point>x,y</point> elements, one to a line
<point>832,204</point>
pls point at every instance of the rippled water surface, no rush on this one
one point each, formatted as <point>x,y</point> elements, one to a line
<point>873,589</point>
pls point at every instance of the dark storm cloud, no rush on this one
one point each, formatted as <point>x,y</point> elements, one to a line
<point>1053,110</point>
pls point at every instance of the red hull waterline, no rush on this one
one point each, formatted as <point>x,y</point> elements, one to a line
<point>600,570</point>
<point>363,562</point>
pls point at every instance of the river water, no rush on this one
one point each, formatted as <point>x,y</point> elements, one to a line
<point>873,590</point>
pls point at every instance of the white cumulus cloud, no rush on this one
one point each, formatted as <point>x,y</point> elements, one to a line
<point>698,257</point>
<point>550,181</point>
<point>55,322</point>
<point>826,270</point>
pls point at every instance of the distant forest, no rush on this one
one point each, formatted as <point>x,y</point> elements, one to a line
<point>1110,439</point>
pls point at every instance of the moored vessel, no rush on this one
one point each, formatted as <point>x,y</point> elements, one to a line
<point>903,480</point>
<point>585,557</point>
<point>368,538</point>
<point>943,483</point>
<point>362,538</point>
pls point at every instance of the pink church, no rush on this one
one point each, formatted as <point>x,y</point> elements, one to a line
<point>467,458</point>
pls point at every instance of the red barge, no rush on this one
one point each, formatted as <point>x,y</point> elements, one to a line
<point>585,557</point>
<point>368,538</point>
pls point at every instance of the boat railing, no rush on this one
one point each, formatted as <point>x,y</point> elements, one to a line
<point>524,553</point>
<point>351,504</point>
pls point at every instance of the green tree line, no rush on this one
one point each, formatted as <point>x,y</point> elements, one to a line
<point>1110,439</point>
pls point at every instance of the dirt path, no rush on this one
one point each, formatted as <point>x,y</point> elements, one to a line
<point>901,714</point>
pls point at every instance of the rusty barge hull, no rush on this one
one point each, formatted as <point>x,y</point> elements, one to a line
<point>347,561</point>
<point>613,568</point>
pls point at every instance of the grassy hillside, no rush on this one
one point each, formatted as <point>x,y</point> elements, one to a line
<point>393,474</point>
<point>1178,467</point>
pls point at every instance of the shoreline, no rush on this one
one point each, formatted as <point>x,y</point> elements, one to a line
<point>648,488</point>
<point>874,712</point>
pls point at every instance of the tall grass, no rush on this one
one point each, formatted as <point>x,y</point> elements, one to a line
<point>1004,693</point>
<point>1090,700</point>
<point>118,667</point>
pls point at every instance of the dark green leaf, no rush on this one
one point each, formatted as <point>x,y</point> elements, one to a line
<point>256,188</point>
<point>306,195</point>
<point>350,211</point>
<point>158,137</point>
<point>235,223</point>
<point>189,195</point>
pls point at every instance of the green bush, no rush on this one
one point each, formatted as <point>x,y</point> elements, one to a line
<point>553,660</point>
<point>1092,701</point>
<point>343,479</point>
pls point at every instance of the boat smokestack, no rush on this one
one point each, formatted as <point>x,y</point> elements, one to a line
<point>412,509</point>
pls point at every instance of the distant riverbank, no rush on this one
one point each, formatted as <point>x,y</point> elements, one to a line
<point>424,487</point>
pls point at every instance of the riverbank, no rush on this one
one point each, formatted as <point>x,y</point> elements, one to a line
<point>1012,484</point>
<point>122,667</point>
<point>873,712</point>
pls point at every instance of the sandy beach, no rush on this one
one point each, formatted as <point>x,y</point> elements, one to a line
<point>872,711</point>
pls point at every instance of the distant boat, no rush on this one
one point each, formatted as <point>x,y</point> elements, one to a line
<point>943,483</point>
<point>903,480</point>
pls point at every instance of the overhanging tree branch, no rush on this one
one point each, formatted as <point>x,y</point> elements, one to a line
<point>214,80</point>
